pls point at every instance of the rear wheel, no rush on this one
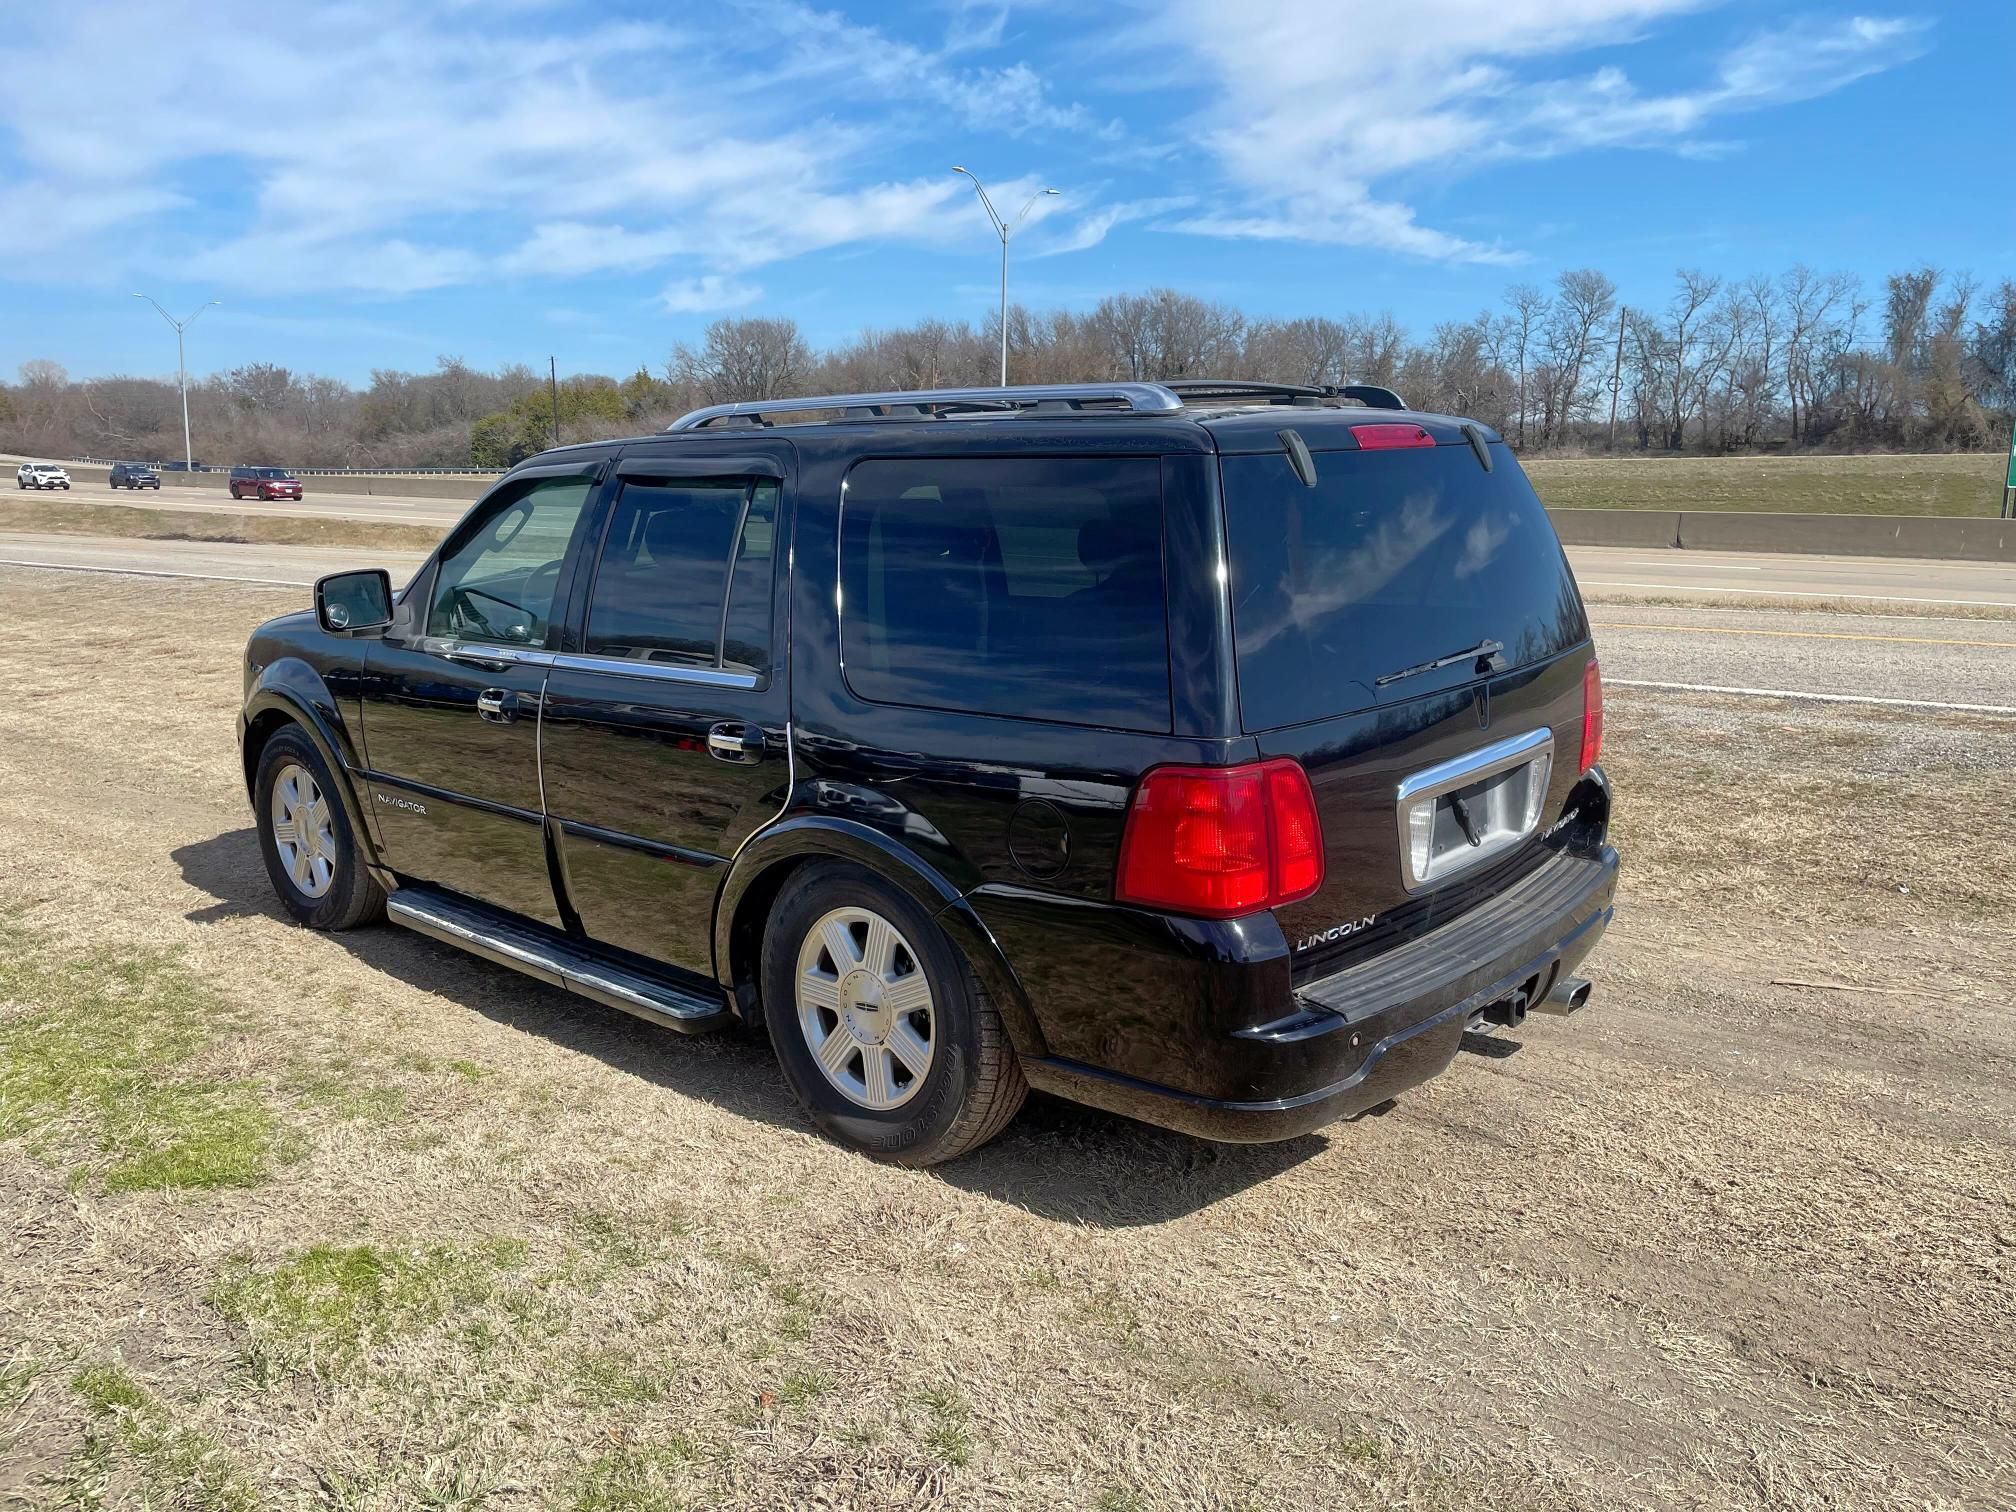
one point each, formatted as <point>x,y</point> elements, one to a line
<point>311,852</point>
<point>880,1026</point>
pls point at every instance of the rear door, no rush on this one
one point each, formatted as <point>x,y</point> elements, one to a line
<point>666,737</point>
<point>1432,781</point>
<point>452,695</point>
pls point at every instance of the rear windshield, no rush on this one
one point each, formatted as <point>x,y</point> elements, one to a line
<point>1394,558</point>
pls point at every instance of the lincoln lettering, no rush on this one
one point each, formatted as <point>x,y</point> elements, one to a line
<point>1336,932</point>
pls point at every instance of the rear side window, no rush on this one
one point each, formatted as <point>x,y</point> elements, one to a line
<point>1394,558</point>
<point>685,575</point>
<point>1028,587</point>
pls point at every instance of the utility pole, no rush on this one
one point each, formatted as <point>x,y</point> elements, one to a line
<point>553,385</point>
<point>1617,376</point>
<point>181,370</point>
<point>1004,230</point>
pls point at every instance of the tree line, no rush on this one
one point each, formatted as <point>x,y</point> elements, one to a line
<point>1718,365</point>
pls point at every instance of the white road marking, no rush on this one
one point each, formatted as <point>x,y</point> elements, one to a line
<point>1841,698</point>
<point>1874,598</point>
<point>207,577</point>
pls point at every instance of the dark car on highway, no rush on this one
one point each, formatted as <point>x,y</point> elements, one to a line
<point>264,483</point>
<point>134,475</point>
<point>1218,753</point>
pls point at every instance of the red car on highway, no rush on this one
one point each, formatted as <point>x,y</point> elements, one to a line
<point>264,483</point>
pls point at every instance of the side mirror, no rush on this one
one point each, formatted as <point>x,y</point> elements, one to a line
<point>347,603</point>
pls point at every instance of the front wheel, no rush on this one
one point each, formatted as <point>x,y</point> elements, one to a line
<point>886,1037</point>
<point>312,854</point>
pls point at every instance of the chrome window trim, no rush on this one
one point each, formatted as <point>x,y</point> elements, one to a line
<point>1460,771</point>
<point>616,666</point>
<point>453,649</point>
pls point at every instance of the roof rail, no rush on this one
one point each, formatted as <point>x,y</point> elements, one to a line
<point>1368,394</point>
<point>1143,398</point>
<point>1202,387</point>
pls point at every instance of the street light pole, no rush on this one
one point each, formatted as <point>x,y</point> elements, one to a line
<point>1003,229</point>
<point>181,369</point>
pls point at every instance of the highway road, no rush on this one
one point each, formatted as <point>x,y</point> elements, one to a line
<point>318,504</point>
<point>1922,652</point>
<point>1604,571</point>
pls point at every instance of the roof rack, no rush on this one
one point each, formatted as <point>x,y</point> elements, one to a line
<point>1305,394</point>
<point>1142,398</point>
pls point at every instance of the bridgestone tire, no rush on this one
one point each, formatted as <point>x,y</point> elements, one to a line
<point>974,1085</point>
<point>353,898</point>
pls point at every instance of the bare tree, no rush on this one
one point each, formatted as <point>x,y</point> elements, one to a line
<point>1530,310</point>
<point>743,359</point>
<point>1585,300</point>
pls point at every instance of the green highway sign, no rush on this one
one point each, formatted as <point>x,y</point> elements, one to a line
<point>2012,458</point>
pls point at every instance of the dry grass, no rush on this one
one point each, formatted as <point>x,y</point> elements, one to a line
<point>1959,483</point>
<point>49,517</point>
<point>1713,1244</point>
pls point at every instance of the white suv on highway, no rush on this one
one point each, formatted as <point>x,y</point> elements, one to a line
<point>41,475</point>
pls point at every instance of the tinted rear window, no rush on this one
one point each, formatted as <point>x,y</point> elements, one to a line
<point>1029,587</point>
<point>1392,559</point>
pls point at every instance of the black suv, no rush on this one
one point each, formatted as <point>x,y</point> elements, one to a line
<point>1214,753</point>
<point>134,475</point>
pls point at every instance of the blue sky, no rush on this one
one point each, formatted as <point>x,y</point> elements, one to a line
<point>374,183</point>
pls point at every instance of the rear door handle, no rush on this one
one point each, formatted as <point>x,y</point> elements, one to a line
<point>494,704</point>
<point>740,743</point>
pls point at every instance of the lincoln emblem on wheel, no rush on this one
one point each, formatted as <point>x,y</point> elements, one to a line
<point>968,741</point>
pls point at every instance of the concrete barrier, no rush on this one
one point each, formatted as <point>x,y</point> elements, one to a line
<point>1937,537</point>
<point>1617,527</point>
<point>1967,540</point>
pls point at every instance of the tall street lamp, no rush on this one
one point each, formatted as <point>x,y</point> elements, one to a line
<point>1004,230</point>
<point>181,369</point>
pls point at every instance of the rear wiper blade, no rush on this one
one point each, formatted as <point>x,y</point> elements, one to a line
<point>1483,651</point>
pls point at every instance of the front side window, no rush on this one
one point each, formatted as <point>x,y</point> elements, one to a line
<point>1027,587</point>
<point>498,585</point>
<point>684,577</point>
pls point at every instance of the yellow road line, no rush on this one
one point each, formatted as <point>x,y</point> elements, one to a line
<point>1902,640</point>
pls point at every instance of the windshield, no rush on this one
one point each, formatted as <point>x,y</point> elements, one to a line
<point>1395,559</point>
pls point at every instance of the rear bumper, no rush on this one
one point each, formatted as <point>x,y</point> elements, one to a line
<point>1351,1041</point>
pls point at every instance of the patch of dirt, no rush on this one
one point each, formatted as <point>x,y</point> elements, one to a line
<point>1712,1243</point>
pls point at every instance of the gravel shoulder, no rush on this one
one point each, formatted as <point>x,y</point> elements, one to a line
<point>1741,1235</point>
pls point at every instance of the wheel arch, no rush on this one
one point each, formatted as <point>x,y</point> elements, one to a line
<point>290,692</point>
<point>758,874</point>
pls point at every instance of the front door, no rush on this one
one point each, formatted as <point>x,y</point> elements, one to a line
<point>665,738</point>
<point>452,697</point>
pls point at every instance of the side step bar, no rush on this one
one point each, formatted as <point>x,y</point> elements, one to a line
<point>552,958</point>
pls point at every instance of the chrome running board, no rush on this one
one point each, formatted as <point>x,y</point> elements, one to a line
<point>553,958</point>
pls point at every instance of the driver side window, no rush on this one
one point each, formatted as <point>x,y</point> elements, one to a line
<point>499,584</point>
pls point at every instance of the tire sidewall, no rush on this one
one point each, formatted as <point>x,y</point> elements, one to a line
<point>290,747</point>
<point>919,1124</point>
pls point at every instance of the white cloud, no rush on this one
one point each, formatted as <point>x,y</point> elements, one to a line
<point>1319,107</point>
<point>408,149</point>
<point>711,291</point>
<point>1094,227</point>
<point>418,144</point>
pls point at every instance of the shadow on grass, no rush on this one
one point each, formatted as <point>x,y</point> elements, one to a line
<point>1058,1160</point>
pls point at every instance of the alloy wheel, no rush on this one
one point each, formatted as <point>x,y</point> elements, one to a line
<point>303,831</point>
<point>865,1008</point>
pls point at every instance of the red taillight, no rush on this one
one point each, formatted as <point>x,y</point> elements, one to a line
<point>1387,437</point>
<point>1221,841</point>
<point>1592,714</point>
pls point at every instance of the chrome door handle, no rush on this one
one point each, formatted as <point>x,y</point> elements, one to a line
<point>735,742</point>
<point>494,704</point>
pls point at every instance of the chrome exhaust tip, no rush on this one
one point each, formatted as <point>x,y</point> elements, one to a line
<point>1570,994</point>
